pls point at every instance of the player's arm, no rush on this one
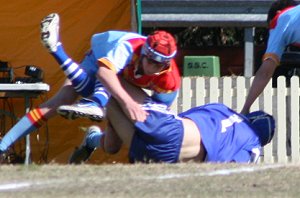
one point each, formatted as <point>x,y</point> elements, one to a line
<point>123,126</point>
<point>112,83</point>
<point>262,77</point>
<point>276,45</point>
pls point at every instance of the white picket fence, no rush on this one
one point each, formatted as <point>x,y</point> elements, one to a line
<point>281,102</point>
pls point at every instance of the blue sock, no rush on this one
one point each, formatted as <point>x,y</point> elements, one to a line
<point>101,95</point>
<point>93,139</point>
<point>100,99</point>
<point>79,78</point>
<point>29,123</point>
<point>60,55</point>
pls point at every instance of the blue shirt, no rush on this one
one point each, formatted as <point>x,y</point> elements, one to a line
<point>226,136</point>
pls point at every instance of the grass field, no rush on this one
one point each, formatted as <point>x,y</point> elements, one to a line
<point>150,180</point>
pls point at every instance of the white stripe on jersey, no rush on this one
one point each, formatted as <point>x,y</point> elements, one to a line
<point>150,105</point>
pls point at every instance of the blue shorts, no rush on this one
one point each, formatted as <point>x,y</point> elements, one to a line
<point>158,139</point>
<point>226,136</point>
<point>89,64</point>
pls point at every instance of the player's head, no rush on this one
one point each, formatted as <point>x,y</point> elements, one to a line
<point>277,6</point>
<point>159,48</point>
<point>263,125</point>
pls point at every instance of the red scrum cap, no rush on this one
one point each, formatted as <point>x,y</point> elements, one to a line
<point>160,46</point>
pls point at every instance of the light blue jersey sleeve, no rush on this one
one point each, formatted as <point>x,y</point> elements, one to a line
<point>120,56</point>
<point>285,32</point>
<point>114,48</point>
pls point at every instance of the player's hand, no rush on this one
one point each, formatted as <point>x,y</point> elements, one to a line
<point>135,112</point>
<point>244,111</point>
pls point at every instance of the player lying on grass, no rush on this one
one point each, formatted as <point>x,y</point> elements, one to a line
<point>208,133</point>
